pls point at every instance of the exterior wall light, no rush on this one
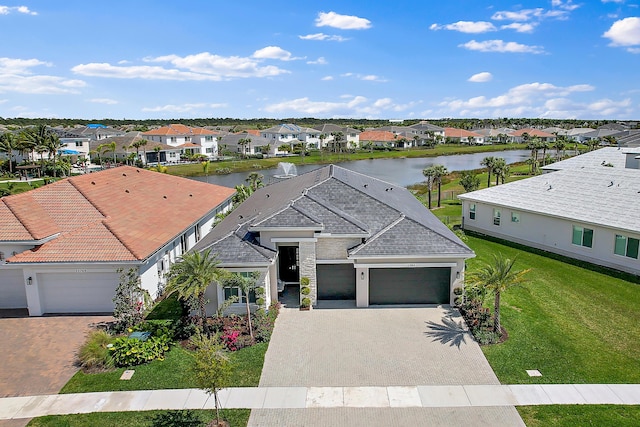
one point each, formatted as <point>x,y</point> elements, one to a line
<point>29,280</point>
<point>362,275</point>
<point>457,274</point>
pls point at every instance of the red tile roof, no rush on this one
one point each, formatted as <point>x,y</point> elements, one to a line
<point>178,129</point>
<point>459,133</point>
<point>119,214</point>
<point>377,135</point>
<point>254,132</point>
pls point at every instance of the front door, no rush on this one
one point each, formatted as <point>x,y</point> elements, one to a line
<point>288,268</point>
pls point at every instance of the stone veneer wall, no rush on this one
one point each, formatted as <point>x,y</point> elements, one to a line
<point>307,254</point>
<point>335,248</point>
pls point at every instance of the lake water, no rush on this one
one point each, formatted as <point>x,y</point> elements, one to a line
<point>401,172</point>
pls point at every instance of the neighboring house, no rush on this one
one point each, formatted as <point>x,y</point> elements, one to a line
<point>378,138</point>
<point>461,136</point>
<point>71,143</point>
<point>192,140</point>
<point>577,134</point>
<point>521,135</point>
<point>62,244</point>
<point>351,135</point>
<point>98,132</point>
<point>496,136</point>
<point>428,131</point>
<point>247,144</point>
<point>355,238</point>
<point>586,211</point>
<point>149,153</point>
<point>291,134</point>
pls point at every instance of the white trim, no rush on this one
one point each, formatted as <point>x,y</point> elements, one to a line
<point>334,261</point>
<point>258,228</point>
<point>293,239</point>
<point>407,265</point>
<point>406,257</point>
<point>341,236</point>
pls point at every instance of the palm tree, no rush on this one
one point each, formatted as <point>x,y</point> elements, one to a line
<point>143,144</point>
<point>498,166</point>
<point>489,163</point>
<point>53,146</point>
<point>429,173</point>
<point>438,172</point>
<point>497,277</point>
<point>8,143</point>
<point>255,181</point>
<point>534,145</point>
<point>205,168</point>
<point>242,193</point>
<point>157,149</point>
<point>243,142</point>
<point>190,277</point>
<point>137,144</point>
<point>560,144</point>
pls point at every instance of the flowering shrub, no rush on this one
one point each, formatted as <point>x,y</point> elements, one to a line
<point>229,338</point>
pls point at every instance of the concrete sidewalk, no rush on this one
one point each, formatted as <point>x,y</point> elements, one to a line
<point>313,398</point>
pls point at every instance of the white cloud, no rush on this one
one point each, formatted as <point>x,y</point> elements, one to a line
<point>16,75</point>
<point>106,101</point>
<point>520,27</point>
<point>319,61</point>
<point>532,99</point>
<point>184,108</point>
<point>343,22</point>
<point>200,67</point>
<point>364,77</point>
<point>625,32</point>
<point>612,1</point>
<point>520,15</point>
<point>501,46</point>
<point>273,52</point>
<point>327,78</point>
<point>349,106</point>
<point>466,27</point>
<point>562,12</point>
<point>5,10</point>
<point>323,37</point>
<point>481,77</point>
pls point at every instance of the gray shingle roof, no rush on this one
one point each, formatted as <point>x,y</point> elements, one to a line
<point>344,202</point>
<point>603,196</point>
<point>232,249</point>
<point>591,159</point>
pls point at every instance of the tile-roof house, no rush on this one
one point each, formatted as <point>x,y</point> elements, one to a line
<point>62,244</point>
<point>355,238</point>
<point>463,136</point>
<point>585,209</point>
<point>519,135</point>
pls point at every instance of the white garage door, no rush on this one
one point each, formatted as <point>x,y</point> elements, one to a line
<point>77,292</point>
<point>12,291</point>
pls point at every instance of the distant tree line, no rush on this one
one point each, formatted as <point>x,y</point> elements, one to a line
<point>263,123</point>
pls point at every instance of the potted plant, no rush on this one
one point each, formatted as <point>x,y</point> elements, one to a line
<point>305,290</point>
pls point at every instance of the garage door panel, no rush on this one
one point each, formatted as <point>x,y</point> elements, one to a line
<point>77,293</point>
<point>409,285</point>
<point>336,281</point>
<point>12,291</point>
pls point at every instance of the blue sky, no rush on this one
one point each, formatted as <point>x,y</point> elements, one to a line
<point>356,59</point>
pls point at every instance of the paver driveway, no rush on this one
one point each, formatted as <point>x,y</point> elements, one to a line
<point>38,353</point>
<point>372,347</point>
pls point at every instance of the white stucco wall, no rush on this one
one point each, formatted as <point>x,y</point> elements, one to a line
<point>552,234</point>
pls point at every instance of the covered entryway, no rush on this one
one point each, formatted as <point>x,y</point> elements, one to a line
<point>409,285</point>
<point>336,281</point>
<point>12,291</point>
<point>77,292</point>
<point>288,264</point>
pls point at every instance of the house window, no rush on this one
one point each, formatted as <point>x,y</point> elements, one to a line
<point>496,217</point>
<point>209,149</point>
<point>173,155</point>
<point>196,231</point>
<point>472,211</point>
<point>79,144</point>
<point>231,292</point>
<point>1,256</point>
<point>515,216</point>
<point>626,246</point>
<point>183,243</point>
<point>208,138</point>
<point>582,236</point>
<point>173,139</point>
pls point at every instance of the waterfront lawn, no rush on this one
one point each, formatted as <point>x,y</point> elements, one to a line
<point>236,418</point>
<point>315,157</point>
<point>173,372</point>
<point>580,415</point>
<point>574,322</point>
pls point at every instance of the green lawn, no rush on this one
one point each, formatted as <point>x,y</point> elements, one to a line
<point>173,372</point>
<point>573,324</point>
<point>236,418</point>
<point>580,415</point>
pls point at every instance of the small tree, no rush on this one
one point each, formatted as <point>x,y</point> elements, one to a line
<point>246,285</point>
<point>130,300</point>
<point>469,181</point>
<point>212,368</point>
